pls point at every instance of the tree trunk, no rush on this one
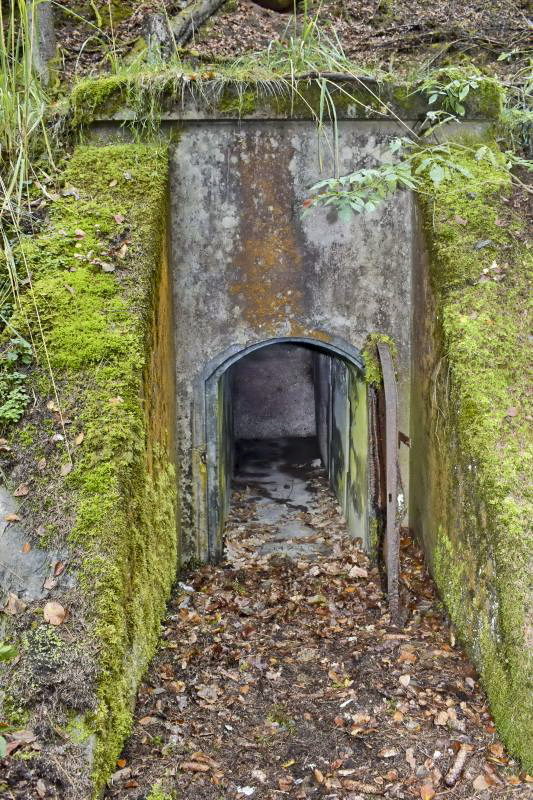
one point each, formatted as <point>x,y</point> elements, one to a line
<point>184,24</point>
<point>163,35</point>
<point>43,37</point>
<point>283,6</point>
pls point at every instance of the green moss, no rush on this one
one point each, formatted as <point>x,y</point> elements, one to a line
<point>79,729</point>
<point>241,102</point>
<point>483,455</point>
<point>99,330</point>
<point>100,96</point>
<point>373,375</point>
<point>157,793</point>
<point>14,713</point>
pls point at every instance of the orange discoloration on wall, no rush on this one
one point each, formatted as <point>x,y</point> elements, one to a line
<point>159,381</point>
<point>270,281</point>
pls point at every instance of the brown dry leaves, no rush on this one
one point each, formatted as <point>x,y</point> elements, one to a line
<point>280,676</point>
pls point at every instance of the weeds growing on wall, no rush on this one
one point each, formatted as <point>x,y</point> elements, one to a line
<point>415,163</point>
<point>26,164</point>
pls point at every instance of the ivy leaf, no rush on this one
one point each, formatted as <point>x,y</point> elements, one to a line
<point>7,652</point>
<point>436,174</point>
<point>432,99</point>
<point>345,214</point>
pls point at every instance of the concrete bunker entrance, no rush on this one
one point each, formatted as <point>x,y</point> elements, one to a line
<point>275,412</point>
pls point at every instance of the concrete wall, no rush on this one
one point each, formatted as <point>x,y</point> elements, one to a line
<point>248,268</point>
<point>273,393</point>
<point>342,431</point>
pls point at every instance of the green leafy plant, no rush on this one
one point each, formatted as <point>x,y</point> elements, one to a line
<point>7,653</point>
<point>14,395</point>
<point>365,189</point>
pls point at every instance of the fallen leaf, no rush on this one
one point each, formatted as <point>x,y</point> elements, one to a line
<point>12,518</point>
<point>119,218</point>
<point>79,234</point>
<point>79,438</point>
<point>388,752</point>
<point>459,220</point>
<point>427,792</point>
<point>319,777</point>
<point>121,762</point>
<point>194,766</point>
<point>66,469</point>
<point>19,739</point>
<point>121,253</point>
<point>26,547</point>
<point>54,613</point>
<point>358,572</point>
<point>405,680</point>
<point>112,183</point>
<point>14,605</point>
<point>410,757</point>
<point>480,783</point>
<point>116,401</point>
<point>58,568</point>
<point>121,775</point>
<point>358,786</point>
<point>22,490</point>
<point>148,720</point>
<point>41,464</point>
<point>40,788</point>
<point>208,693</point>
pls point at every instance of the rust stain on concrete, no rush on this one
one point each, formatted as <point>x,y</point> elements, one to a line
<point>270,281</point>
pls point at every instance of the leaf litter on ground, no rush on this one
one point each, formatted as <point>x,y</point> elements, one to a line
<point>280,677</point>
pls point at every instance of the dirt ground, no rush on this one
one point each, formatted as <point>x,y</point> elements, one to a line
<point>282,676</point>
<point>392,35</point>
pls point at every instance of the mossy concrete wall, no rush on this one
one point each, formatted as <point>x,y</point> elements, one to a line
<point>99,312</point>
<point>471,447</point>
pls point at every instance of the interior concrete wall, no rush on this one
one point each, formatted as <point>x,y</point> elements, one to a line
<point>342,432</point>
<point>273,393</point>
<point>248,267</point>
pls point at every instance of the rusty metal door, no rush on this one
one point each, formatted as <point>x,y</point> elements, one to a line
<point>390,452</point>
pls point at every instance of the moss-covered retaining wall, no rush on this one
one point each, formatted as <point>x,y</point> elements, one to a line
<point>100,283</point>
<point>471,453</point>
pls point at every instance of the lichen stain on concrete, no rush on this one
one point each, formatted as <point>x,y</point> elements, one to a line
<point>270,280</point>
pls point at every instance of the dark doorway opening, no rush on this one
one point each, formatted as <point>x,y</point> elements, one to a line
<point>283,411</point>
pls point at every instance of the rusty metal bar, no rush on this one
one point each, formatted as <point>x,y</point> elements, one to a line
<point>392,532</point>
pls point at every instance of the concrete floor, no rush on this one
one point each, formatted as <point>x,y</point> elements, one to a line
<point>281,479</point>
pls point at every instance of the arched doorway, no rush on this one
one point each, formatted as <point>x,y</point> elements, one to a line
<point>302,388</point>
